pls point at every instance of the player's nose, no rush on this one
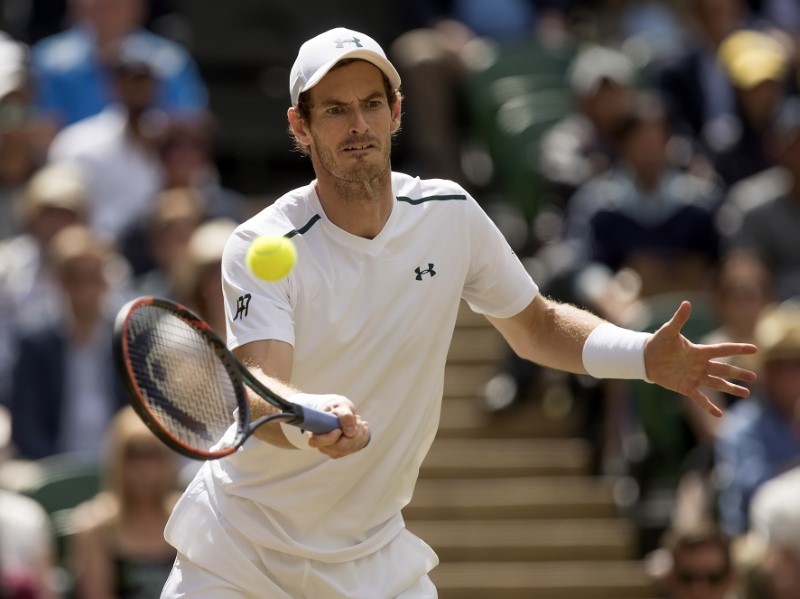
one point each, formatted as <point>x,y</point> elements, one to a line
<point>359,123</point>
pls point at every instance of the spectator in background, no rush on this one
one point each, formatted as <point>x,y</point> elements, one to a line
<point>757,65</point>
<point>696,90</point>
<point>644,217</point>
<point>697,564</point>
<point>29,297</point>
<point>64,388</point>
<point>118,549</point>
<point>743,287</point>
<point>72,73</point>
<point>647,233</point>
<point>186,151</point>
<point>27,547</point>
<point>581,145</point>
<point>430,57</point>
<point>759,436</point>
<point>33,20</point>
<point>576,149</point>
<point>116,149</point>
<point>433,57</point>
<point>157,248</point>
<point>640,229</point>
<point>21,146</point>
<point>775,522</point>
<point>200,277</point>
<point>764,210</point>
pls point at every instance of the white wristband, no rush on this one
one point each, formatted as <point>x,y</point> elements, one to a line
<point>294,434</point>
<point>611,352</point>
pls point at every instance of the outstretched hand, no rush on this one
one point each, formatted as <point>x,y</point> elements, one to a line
<point>677,364</point>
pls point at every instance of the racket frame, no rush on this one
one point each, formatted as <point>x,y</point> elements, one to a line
<point>240,375</point>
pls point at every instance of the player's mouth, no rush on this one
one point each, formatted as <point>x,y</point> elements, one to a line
<point>359,145</point>
<point>358,148</point>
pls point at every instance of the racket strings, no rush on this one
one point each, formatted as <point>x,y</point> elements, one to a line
<point>182,379</point>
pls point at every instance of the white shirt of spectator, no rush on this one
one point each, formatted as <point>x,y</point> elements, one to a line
<point>123,178</point>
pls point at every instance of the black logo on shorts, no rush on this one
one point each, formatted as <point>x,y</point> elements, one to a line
<point>427,271</point>
<point>242,305</point>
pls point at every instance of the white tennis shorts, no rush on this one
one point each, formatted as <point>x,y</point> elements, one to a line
<point>230,566</point>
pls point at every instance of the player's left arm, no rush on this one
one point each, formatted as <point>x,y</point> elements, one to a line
<point>554,335</point>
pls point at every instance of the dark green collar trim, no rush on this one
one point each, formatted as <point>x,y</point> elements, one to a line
<point>304,228</point>
<point>431,199</point>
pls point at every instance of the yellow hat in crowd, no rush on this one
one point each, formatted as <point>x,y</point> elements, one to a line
<point>777,333</point>
<point>752,57</point>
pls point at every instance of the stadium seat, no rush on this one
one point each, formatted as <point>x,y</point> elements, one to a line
<point>515,92</point>
<point>59,484</point>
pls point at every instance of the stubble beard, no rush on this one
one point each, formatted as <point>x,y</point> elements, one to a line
<point>363,176</point>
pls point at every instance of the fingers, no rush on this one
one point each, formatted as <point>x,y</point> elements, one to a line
<point>721,384</point>
<point>722,350</point>
<point>701,399</point>
<point>680,318</point>
<point>729,371</point>
<point>345,445</point>
<point>324,440</point>
<point>344,409</point>
<point>351,436</point>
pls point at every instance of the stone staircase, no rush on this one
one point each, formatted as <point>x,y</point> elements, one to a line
<point>508,501</point>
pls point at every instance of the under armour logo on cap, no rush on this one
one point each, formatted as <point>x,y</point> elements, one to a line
<point>340,42</point>
<point>318,55</point>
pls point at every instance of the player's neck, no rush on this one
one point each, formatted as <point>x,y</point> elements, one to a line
<point>361,208</point>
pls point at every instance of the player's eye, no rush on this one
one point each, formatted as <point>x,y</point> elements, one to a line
<point>374,104</point>
<point>334,110</point>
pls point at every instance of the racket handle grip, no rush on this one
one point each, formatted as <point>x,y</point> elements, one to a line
<point>317,421</point>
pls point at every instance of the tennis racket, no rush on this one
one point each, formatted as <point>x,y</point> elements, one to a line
<point>188,388</point>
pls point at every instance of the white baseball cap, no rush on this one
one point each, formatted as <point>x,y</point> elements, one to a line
<point>318,55</point>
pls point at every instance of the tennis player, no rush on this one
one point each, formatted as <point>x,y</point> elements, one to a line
<point>361,328</point>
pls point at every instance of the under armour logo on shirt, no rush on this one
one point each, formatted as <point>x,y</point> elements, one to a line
<point>427,271</point>
<point>354,40</point>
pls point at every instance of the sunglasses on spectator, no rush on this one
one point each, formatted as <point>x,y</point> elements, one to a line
<point>711,578</point>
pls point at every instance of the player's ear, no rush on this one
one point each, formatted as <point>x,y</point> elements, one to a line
<point>298,126</point>
<point>397,113</point>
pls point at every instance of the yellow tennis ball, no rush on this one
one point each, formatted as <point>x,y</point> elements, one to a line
<point>271,257</point>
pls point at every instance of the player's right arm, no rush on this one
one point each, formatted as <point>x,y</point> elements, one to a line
<point>271,362</point>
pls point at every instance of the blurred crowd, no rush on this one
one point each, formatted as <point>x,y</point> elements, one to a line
<point>108,190</point>
<point>635,153</point>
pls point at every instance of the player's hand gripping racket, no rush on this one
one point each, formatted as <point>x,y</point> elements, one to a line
<point>188,387</point>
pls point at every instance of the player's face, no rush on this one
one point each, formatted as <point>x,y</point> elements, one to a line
<point>351,124</point>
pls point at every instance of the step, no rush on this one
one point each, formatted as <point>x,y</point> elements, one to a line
<point>504,498</point>
<point>527,540</point>
<point>496,458</point>
<point>466,380</point>
<point>483,345</point>
<point>467,318</point>
<point>462,417</point>
<point>548,580</point>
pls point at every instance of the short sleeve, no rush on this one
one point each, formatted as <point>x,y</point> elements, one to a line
<point>497,283</point>
<point>255,309</point>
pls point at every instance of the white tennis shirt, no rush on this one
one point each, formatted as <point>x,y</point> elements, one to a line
<point>370,319</point>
